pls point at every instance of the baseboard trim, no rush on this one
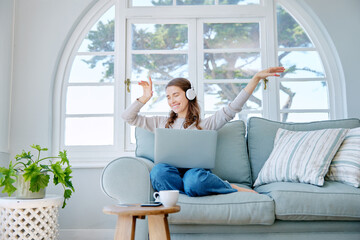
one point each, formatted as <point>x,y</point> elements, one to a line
<point>86,234</point>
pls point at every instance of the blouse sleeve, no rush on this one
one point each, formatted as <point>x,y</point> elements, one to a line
<point>226,114</point>
<point>131,116</point>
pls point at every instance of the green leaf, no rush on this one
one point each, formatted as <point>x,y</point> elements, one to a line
<point>37,147</point>
<point>59,174</point>
<point>38,182</point>
<point>23,155</point>
<point>68,183</point>
<point>67,195</point>
<point>46,167</point>
<point>7,179</point>
<point>63,156</point>
<point>31,171</point>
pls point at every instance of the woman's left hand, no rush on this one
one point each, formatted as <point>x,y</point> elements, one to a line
<point>270,72</point>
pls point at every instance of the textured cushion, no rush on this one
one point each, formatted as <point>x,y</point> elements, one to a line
<point>345,167</point>
<point>231,162</point>
<point>261,135</point>
<point>234,208</point>
<point>145,143</point>
<point>301,156</point>
<point>300,201</point>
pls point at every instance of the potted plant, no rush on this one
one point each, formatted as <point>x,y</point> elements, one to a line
<point>32,174</point>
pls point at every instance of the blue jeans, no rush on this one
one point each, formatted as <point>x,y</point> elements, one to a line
<point>193,182</point>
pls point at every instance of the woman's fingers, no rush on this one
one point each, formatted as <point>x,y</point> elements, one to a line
<point>150,82</point>
<point>276,69</point>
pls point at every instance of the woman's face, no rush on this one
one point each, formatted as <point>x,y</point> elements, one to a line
<point>177,100</point>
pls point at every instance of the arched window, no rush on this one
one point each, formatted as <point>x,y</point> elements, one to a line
<point>217,44</point>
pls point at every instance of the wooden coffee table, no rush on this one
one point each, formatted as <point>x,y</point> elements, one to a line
<point>127,215</point>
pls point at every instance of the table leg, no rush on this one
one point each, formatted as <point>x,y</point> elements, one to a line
<point>158,227</point>
<point>125,227</point>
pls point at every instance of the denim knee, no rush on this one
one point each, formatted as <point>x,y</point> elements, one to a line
<point>166,177</point>
<point>194,182</point>
<point>159,171</point>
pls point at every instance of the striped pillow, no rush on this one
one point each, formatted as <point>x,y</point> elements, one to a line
<point>301,156</point>
<point>345,167</point>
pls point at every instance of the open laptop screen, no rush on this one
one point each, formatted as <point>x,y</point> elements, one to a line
<point>185,148</point>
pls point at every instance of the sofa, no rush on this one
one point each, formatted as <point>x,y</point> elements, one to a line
<point>281,210</point>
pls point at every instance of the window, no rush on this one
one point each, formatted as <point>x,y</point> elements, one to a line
<point>217,44</point>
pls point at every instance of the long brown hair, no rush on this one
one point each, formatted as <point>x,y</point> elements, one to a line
<point>193,113</point>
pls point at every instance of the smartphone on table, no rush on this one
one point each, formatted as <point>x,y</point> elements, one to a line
<point>151,204</point>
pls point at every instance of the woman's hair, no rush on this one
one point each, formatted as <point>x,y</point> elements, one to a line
<point>193,113</point>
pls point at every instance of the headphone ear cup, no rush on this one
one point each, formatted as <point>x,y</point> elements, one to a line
<point>190,94</point>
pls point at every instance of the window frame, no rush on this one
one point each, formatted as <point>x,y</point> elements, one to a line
<point>99,156</point>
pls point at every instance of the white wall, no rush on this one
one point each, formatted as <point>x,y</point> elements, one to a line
<point>342,20</point>
<point>42,28</point>
<point>6,26</point>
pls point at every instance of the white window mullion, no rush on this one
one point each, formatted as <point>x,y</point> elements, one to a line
<point>229,50</point>
<point>119,74</point>
<point>271,95</point>
<point>200,64</point>
<point>192,55</point>
<point>128,66</point>
<point>159,51</point>
<point>304,111</point>
<point>296,49</point>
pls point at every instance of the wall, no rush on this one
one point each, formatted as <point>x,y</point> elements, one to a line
<point>6,26</point>
<point>42,28</point>
<point>342,20</point>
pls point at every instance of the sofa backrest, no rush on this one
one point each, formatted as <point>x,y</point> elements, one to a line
<point>232,162</point>
<point>261,135</point>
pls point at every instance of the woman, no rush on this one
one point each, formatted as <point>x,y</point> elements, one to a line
<point>185,114</point>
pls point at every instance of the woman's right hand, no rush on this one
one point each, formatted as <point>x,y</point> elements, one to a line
<point>147,91</point>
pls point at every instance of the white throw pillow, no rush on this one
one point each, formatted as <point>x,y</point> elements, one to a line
<point>345,167</point>
<point>301,156</point>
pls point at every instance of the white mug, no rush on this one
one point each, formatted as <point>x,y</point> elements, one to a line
<point>168,198</point>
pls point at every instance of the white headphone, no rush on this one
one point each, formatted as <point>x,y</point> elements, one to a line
<point>190,94</point>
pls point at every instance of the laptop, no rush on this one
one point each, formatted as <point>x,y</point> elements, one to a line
<point>185,148</point>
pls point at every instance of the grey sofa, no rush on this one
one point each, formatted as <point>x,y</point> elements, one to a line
<point>282,210</point>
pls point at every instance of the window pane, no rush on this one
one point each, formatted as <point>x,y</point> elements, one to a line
<point>89,131</point>
<point>101,36</point>
<point>161,66</point>
<point>239,2</point>
<point>92,69</point>
<point>301,64</point>
<point>218,96</point>
<point>231,65</point>
<point>195,2</point>
<point>290,33</point>
<point>231,35</point>
<point>147,3</point>
<point>90,100</point>
<point>303,95</point>
<point>304,117</point>
<point>159,36</point>
<point>158,103</point>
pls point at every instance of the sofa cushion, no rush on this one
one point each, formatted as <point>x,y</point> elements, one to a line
<point>239,208</point>
<point>231,162</point>
<point>301,156</point>
<point>299,201</point>
<point>345,167</point>
<point>261,136</point>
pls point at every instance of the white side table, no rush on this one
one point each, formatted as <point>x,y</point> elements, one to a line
<point>33,219</point>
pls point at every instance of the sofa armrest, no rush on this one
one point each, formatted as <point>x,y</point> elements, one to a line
<point>127,180</point>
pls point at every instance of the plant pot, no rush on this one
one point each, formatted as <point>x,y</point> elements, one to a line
<point>23,191</point>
